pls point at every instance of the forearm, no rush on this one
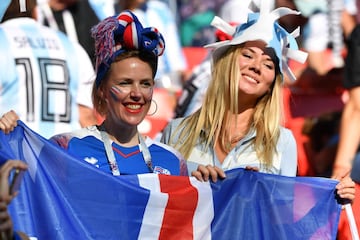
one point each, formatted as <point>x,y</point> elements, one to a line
<point>349,137</point>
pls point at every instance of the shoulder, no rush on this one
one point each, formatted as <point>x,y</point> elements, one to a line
<point>162,147</point>
<point>286,138</point>
<point>174,123</point>
<point>170,129</point>
<point>286,134</point>
<point>64,139</point>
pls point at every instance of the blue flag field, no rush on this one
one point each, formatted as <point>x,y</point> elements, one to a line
<point>62,197</point>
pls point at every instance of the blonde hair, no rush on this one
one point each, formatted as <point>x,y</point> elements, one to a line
<point>221,99</point>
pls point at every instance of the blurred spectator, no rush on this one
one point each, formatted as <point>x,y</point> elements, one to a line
<point>234,11</point>
<point>323,134</point>
<point>46,78</point>
<point>350,127</point>
<point>194,21</point>
<point>291,22</point>
<point>328,23</point>
<point>73,17</point>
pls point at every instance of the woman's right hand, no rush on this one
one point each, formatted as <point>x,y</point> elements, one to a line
<point>203,173</point>
<point>8,121</point>
<point>5,171</point>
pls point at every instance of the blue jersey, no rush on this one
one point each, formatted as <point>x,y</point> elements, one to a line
<point>44,76</point>
<point>86,144</point>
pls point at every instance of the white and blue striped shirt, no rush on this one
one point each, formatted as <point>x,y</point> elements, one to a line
<point>44,76</point>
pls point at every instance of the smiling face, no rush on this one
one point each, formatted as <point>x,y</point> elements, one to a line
<point>257,69</point>
<point>128,91</point>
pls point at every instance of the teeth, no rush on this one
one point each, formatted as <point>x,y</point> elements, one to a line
<point>251,79</point>
<point>133,106</point>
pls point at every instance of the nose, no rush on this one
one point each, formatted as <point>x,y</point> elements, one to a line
<point>256,65</point>
<point>135,91</point>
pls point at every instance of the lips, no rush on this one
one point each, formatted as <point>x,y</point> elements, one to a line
<point>133,108</point>
<point>251,79</point>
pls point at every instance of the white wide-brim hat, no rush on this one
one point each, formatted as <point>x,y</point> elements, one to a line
<point>262,26</point>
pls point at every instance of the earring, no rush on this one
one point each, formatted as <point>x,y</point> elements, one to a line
<point>156,108</point>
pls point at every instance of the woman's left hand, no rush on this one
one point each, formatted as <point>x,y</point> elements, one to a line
<point>204,173</point>
<point>346,188</point>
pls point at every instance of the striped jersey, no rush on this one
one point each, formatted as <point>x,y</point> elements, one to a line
<point>44,76</point>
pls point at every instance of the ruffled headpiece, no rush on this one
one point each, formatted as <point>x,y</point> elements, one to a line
<point>118,34</point>
<point>263,26</point>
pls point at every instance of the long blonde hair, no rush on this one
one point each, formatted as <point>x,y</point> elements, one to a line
<point>209,122</point>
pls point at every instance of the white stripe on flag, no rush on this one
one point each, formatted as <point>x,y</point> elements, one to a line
<point>204,212</point>
<point>154,212</point>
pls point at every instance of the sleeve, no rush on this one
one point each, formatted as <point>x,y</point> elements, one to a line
<point>289,154</point>
<point>61,140</point>
<point>165,137</point>
<point>170,130</point>
<point>86,78</point>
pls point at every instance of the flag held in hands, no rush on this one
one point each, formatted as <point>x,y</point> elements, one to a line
<point>62,197</point>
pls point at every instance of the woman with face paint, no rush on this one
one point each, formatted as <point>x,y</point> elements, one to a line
<point>126,61</point>
<point>126,64</point>
<point>239,123</point>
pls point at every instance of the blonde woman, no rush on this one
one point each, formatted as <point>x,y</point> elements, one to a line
<point>240,121</point>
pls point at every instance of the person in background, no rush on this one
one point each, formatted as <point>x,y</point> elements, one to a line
<point>6,227</point>
<point>194,19</point>
<point>323,135</point>
<point>126,63</point>
<point>239,124</point>
<point>349,136</point>
<point>73,17</point>
<point>346,161</point>
<point>329,24</point>
<point>46,78</point>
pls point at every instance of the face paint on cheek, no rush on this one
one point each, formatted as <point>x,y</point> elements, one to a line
<point>115,92</point>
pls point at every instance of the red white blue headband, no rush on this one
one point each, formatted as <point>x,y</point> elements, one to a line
<point>263,26</point>
<point>118,34</point>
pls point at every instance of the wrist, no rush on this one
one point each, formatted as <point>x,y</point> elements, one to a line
<point>16,236</point>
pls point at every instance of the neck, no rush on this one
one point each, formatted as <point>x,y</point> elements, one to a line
<point>124,136</point>
<point>239,123</point>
